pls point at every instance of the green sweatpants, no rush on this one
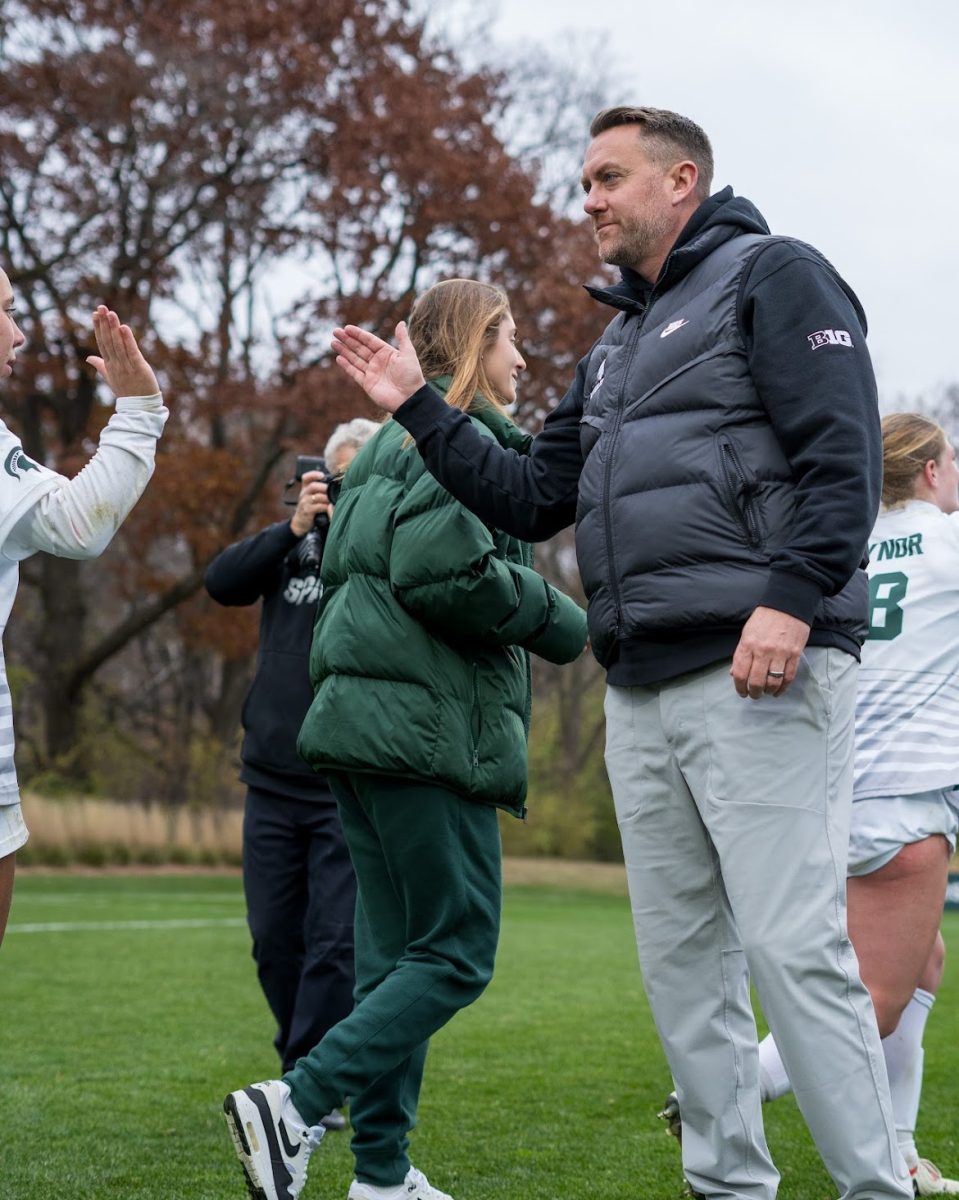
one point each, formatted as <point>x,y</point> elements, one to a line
<point>429,890</point>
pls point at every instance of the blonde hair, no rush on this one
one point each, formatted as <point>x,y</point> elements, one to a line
<point>909,441</point>
<point>452,325</point>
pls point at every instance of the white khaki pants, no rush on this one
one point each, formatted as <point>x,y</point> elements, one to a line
<point>734,816</point>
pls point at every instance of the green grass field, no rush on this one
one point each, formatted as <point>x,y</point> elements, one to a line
<point>129,1007</point>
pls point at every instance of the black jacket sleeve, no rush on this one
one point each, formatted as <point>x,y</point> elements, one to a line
<point>530,496</point>
<point>805,335</point>
<point>243,572</point>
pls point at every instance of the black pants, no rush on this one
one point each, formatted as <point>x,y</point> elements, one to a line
<point>301,898</point>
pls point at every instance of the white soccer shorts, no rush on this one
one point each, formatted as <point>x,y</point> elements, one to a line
<point>13,832</point>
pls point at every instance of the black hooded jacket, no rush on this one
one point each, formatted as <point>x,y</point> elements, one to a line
<point>265,566</point>
<point>737,463</point>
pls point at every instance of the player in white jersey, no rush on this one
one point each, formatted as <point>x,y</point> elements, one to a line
<point>72,518</point>
<point>905,814</point>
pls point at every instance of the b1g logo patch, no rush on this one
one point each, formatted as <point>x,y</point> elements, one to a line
<point>18,462</point>
<point>829,337</point>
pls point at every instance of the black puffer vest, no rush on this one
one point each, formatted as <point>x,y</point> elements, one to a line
<point>685,491</point>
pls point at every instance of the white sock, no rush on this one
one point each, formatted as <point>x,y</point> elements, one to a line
<point>773,1080</point>
<point>903,1051</point>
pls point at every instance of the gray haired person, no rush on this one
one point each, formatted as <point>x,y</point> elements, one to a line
<point>344,442</point>
<point>297,876</point>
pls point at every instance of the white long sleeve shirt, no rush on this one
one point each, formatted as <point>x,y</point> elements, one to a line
<point>907,712</point>
<point>71,518</point>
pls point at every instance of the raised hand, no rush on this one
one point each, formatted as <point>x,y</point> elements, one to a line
<point>120,362</point>
<point>389,375</point>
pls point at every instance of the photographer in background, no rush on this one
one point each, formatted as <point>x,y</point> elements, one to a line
<point>297,875</point>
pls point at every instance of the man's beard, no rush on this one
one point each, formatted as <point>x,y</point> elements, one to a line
<point>639,240</point>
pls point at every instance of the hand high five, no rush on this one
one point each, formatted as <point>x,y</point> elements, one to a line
<point>120,362</point>
<point>389,375</point>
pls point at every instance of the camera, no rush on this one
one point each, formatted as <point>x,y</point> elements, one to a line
<point>312,462</point>
<point>310,549</point>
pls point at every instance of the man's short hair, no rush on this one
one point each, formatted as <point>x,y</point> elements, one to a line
<point>667,134</point>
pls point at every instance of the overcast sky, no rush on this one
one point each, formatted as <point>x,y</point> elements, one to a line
<point>839,120</point>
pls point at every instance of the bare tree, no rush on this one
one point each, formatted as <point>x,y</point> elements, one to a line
<point>234,179</point>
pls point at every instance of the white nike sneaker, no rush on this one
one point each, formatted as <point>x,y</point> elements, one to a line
<point>272,1141</point>
<point>414,1187</point>
<point>928,1180</point>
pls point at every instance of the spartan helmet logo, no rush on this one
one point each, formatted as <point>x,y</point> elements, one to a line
<point>17,462</point>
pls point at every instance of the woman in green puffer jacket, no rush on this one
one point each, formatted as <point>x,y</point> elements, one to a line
<point>420,665</point>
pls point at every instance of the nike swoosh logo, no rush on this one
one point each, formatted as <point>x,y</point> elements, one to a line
<point>292,1148</point>
<point>673,327</point>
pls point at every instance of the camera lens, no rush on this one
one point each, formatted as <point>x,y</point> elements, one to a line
<point>309,550</point>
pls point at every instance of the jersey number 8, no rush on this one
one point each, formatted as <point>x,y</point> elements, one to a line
<point>885,614</point>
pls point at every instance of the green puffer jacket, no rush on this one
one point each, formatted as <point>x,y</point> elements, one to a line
<point>419,659</point>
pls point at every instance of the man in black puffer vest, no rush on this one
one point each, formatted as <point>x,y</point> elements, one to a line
<point>720,452</point>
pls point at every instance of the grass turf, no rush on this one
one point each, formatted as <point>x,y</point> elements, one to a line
<point>118,1044</point>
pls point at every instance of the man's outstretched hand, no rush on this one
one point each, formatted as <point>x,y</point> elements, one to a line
<point>389,375</point>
